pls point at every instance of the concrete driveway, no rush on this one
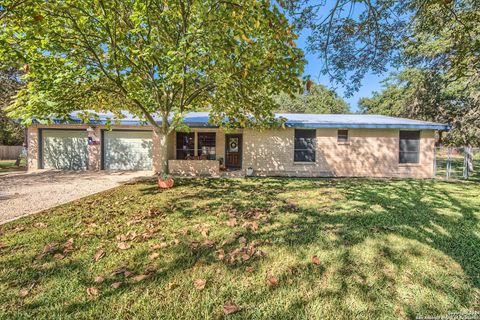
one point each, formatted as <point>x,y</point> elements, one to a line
<point>26,193</point>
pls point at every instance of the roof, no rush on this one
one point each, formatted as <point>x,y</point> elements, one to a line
<point>293,120</point>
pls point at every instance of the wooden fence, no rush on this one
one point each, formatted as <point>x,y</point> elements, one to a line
<point>10,152</point>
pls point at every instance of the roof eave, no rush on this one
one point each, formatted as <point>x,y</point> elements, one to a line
<point>440,127</point>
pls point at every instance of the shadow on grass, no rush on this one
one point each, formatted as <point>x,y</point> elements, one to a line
<point>409,209</point>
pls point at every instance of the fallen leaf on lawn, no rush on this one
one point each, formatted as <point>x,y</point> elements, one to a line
<point>123,245</point>
<point>2,245</point>
<point>115,285</point>
<point>99,279</point>
<point>68,245</point>
<point>220,254</point>
<point>155,247</point>
<point>242,240</point>
<point>98,255</point>
<point>140,277</point>
<point>232,222</point>
<point>245,257</point>
<point>194,245</point>
<point>205,232</point>
<point>229,308</point>
<point>23,293</point>
<point>58,256</point>
<point>131,235</point>
<point>149,270</point>
<point>40,225</point>
<point>208,243</point>
<point>249,269</point>
<point>92,291</point>
<point>260,253</point>
<point>272,281</point>
<point>121,237</point>
<point>50,247</point>
<point>119,270</point>
<point>200,284</point>
<point>154,255</point>
<point>316,260</point>
<point>18,229</point>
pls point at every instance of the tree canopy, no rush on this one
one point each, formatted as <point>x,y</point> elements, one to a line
<point>318,99</point>
<point>356,37</point>
<point>424,94</point>
<point>150,58</point>
<point>434,43</point>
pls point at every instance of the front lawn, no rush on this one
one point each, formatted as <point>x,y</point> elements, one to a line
<point>255,248</point>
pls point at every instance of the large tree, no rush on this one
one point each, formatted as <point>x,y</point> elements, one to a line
<point>356,37</point>
<point>426,94</point>
<point>316,99</point>
<point>11,132</point>
<point>152,58</point>
<point>435,42</point>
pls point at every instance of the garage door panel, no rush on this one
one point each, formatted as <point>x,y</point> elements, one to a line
<point>128,150</point>
<point>66,150</point>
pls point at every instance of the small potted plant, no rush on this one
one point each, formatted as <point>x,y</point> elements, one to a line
<point>222,166</point>
<point>165,181</point>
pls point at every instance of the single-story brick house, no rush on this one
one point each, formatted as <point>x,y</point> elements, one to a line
<point>310,145</point>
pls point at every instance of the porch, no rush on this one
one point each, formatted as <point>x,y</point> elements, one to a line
<point>206,152</point>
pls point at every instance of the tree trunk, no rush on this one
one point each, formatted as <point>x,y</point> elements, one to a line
<point>163,153</point>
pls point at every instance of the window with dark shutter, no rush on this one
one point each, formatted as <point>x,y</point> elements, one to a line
<point>409,147</point>
<point>304,149</point>
<point>185,145</point>
<point>342,136</point>
<point>206,145</point>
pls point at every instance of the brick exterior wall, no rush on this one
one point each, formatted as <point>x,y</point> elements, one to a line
<point>368,153</point>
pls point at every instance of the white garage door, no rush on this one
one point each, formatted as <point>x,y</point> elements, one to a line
<point>127,150</point>
<point>64,149</point>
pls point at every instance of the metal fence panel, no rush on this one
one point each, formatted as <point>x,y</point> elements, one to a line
<point>457,163</point>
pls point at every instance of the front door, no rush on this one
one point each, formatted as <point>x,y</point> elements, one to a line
<point>233,151</point>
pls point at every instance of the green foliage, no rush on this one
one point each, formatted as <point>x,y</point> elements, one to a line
<point>155,57</point>
<point>318,99</point>
<point>11,132</point>
<point>435,43</point>
<point>160,57</point>
<point>356,37</point>
<point>430,95</point>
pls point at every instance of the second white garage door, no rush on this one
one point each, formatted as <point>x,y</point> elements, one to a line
<point>127,150</point>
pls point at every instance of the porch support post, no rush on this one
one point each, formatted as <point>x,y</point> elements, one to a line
<point>195,141</point>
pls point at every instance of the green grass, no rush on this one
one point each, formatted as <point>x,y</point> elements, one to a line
<point>9,165</point>
<point>387,249</point>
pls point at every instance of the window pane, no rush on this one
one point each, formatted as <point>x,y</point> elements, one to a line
<point>185,145</point>
<point>342,136</point>
<point>304,146</point>
<point>206,145</point>
<point>409,151</point>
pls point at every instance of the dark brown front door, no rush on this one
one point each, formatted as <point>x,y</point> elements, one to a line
<point>233,151</point>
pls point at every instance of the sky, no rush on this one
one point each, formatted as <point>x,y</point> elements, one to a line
<point>370,83</point>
